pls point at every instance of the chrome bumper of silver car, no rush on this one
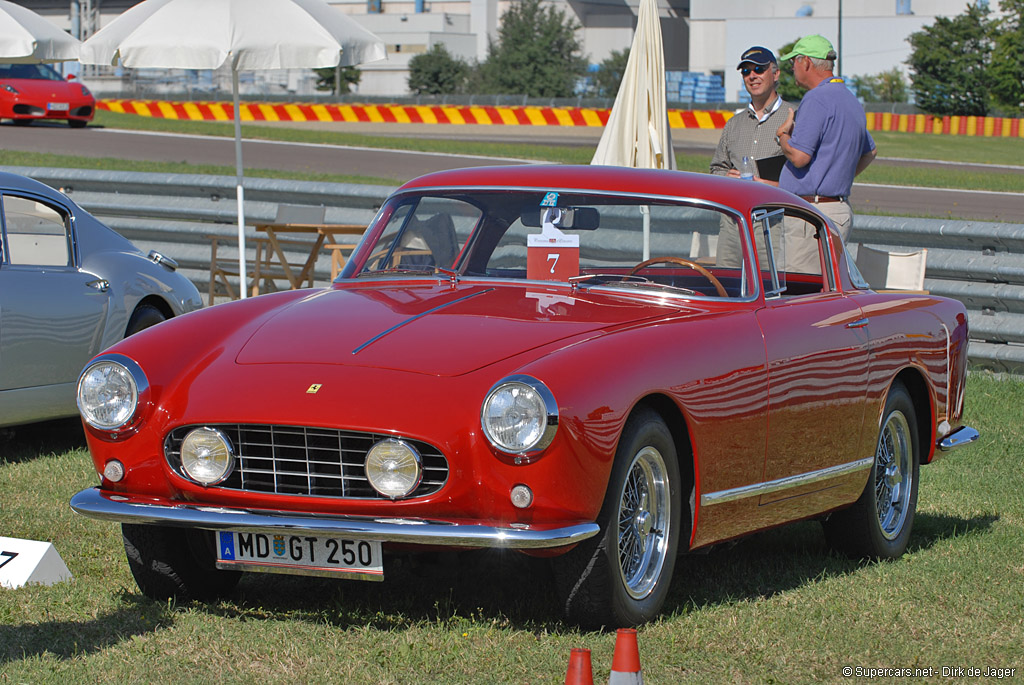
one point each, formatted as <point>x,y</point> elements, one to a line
<point>964,435</point>
<point>94,504</point>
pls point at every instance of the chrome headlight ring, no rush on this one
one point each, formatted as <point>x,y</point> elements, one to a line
<point>519,416</point>
<point>110,391</point>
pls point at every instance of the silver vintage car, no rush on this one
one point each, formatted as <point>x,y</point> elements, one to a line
<point>69,288</point>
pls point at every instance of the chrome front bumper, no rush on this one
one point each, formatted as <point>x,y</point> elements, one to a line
<point>964,435</point>
<point>94,504</point>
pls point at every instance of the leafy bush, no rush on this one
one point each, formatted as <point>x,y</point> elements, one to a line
<point>437,72</point>
<point>950,62</point>
<point>609,74</point>
<point>327,79</point>
<point>888,86</point>
<point>537,53</point>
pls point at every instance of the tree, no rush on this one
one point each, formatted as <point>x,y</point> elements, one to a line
<point>609,74</point>
<point>887,86</point>
<point>326,79</point>
<point>950,62</point>
<point>536,54</point>
<point>437,72</point>
<point>787,87</point>
<point>1008,58</point>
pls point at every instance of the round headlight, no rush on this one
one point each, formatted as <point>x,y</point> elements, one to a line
<point>108,394</point>
<point>519,415</point>
<point>206,456</point>
<point>394,468</point>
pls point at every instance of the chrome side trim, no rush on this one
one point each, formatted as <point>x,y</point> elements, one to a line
<point>785,483</point>
<point>964,435</point>
<point>94,504</point>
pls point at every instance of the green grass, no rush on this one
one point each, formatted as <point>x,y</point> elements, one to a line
<point>777,607</point>
<point>977,149</point>
<point>927,177</point>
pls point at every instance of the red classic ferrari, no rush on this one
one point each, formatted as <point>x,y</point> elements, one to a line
<point>604,366</point>
<point>30,92</point>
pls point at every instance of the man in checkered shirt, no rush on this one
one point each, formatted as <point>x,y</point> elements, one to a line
<point>751,132</point>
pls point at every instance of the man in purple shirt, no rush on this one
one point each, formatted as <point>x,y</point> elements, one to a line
<point>828,143</point>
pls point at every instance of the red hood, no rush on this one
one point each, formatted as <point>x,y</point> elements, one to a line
<point>432,328</point>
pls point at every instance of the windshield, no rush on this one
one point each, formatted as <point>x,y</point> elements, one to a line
<point>583,239</point>
<point>43,72</point>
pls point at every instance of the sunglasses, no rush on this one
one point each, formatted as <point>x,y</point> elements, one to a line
<point>758,69</point>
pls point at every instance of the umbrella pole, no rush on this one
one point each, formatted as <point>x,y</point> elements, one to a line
<point>239,191</point>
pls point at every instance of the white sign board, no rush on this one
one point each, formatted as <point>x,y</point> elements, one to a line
<point>23,562</point>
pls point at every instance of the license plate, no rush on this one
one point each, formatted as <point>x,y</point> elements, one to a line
<point>58,106</point>
<point>311,555</point>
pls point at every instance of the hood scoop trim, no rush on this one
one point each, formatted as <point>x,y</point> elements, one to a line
<point>418,316</point>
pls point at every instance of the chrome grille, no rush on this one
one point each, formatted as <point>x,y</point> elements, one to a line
<point>297,460</point>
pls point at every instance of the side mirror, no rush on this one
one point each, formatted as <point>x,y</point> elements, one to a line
<point>70,77</point>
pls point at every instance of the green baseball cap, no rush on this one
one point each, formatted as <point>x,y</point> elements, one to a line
<point>811,46</point>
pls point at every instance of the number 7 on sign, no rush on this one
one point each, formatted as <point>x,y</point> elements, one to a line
<point>6,558</point>
<point>553,258</point>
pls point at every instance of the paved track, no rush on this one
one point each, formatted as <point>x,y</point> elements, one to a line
<point>401,165</point>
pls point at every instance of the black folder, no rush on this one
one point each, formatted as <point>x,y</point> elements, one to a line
<point>769,168</point>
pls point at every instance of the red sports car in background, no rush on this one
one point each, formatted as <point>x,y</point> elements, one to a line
<point>603,366</point>
<point>30,92</point>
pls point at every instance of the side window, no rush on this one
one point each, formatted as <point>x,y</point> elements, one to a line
<point>36,234</point>
<point>791,248</point>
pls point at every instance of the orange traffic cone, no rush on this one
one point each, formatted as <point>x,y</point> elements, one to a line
<point>580,672</point>
<point>626,662</point>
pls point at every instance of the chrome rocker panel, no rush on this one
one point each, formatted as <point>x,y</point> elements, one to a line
<point>93,503</point>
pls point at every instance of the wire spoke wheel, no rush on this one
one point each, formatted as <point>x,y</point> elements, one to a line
<point>878,525</point>
<point>893,475</point>
<point>643,523</point>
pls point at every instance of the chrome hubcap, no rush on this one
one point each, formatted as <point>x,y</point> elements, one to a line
<point>643,523</point>
<point>893,474</point>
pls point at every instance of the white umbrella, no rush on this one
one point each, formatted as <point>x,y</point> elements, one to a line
<point>27,37</point>
<point>247,34</point>
<point>637,133</point>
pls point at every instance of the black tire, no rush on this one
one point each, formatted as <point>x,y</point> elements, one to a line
<point>602,585</point>
<point>175,562</point>
<point>144,316</point>
<point>878,525</point>
<point>77,123</point>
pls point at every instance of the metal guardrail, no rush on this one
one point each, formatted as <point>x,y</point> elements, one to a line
<point>979,263</point>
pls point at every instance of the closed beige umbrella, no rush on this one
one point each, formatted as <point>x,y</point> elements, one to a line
<point>638,134</point>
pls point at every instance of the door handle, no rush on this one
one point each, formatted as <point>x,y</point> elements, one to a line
<point>101,284</point>
<point>859,323</point>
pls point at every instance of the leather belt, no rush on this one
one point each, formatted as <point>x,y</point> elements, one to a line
<point>815,199</point>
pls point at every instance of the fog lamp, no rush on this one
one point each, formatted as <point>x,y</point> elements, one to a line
<point>206,456</point>
<point>394,468</point>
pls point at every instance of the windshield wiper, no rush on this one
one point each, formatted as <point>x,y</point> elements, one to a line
<point>410,271</point>
<point>630,280</point>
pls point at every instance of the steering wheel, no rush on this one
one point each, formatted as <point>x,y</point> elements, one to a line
<point>684,262</point>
